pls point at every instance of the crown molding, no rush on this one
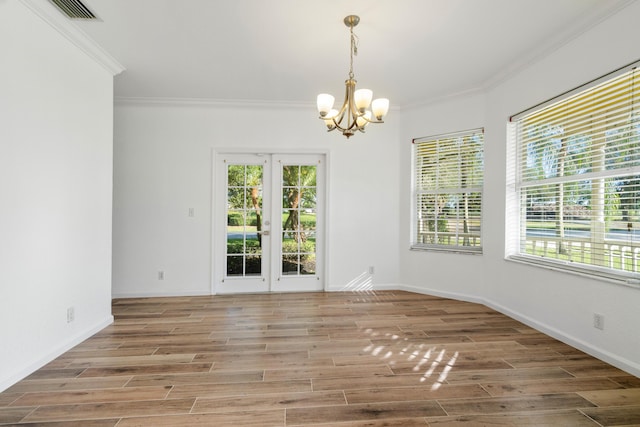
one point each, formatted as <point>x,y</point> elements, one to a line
<point>123,101</point>
<point>47,12</point>
<point>206,102</point>
<point>580,26</point>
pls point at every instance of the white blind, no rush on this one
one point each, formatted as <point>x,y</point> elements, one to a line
<point>448,179</point>
<point>579,177</point>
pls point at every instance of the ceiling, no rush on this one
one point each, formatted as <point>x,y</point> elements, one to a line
<point>288,51</point>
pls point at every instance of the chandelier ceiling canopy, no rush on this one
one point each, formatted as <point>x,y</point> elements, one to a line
<point>354,114</point>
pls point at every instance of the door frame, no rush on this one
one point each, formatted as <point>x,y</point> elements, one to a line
<point>218,232</point>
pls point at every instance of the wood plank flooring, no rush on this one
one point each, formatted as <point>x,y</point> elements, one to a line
<point>324,359</point>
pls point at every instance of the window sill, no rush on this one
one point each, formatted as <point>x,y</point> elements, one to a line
<point>631,281</point>
<point>445,249</point>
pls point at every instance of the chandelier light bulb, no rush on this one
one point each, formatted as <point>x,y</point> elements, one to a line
<point>332,113</point>
<point>328,119</point>
<point>362,98</point>
<point>380,107</point>
<point>325,103</point>
<point>364,119</point>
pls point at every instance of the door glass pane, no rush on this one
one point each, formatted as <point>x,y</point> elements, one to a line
<point>253,265</point>
<point>299,202</point>
<point>290,176</point>
<point>308,203</point>
<point>235,175</point>
<point>308,264</point>
<point>234,265</point>
<point>308,219</point>
<point>308,254</point>
<point>308,175</point>
<point>289,264</point>
<point>244,220</point>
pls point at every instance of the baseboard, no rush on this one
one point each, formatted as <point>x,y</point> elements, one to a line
<point>14,377</point>
<point>434,292</point>
<point>613,359</point>
<point>161,294</point>
<point>606,356</point>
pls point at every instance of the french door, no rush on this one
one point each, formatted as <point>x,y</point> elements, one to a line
<point>269,223</point>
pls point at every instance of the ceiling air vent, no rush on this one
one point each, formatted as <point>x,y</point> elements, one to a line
<point>74,9</point>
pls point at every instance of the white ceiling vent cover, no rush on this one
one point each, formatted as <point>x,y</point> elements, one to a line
<point>74,9</point>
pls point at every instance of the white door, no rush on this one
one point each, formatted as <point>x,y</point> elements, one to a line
<point>269,223</point>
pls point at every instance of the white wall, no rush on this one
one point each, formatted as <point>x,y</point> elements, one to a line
<point>163,166</point>
<point>560,304</point>
<point>56,111</point>
<point>435,272</point>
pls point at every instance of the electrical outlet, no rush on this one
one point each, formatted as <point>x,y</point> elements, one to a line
<point>598,321</point>
<point>71,314</point>
<point>160,275</point>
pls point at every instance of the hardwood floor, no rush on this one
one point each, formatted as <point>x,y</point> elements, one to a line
<point>326,359</point>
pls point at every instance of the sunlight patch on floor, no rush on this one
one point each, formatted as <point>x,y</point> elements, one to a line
<point>430,362</point>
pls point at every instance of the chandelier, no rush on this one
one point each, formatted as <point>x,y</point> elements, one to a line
<point>354,114</point>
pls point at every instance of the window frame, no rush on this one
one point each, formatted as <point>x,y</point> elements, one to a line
<point>416,213</point>
<point>517,215</point>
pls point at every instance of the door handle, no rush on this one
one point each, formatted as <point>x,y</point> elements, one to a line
<point>264,232</point>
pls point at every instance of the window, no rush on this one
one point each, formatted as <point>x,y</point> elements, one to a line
<point>448,175</point>
<point>577,179</point>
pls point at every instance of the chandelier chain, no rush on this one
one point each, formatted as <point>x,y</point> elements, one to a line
<point>354,51</point>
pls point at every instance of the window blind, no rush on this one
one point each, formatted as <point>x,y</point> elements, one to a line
<point>448,182</point>
<point>579,177</point>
